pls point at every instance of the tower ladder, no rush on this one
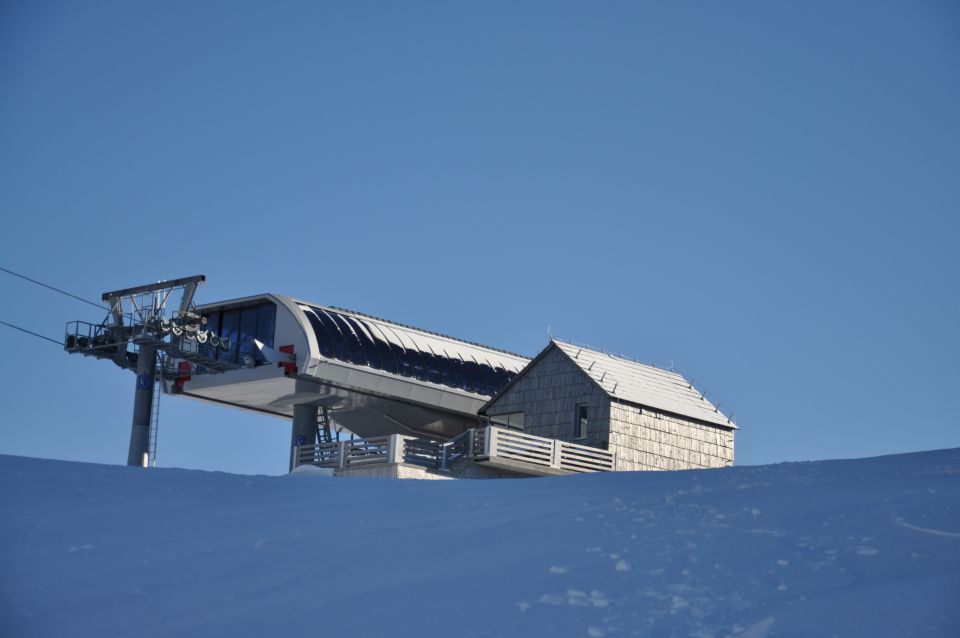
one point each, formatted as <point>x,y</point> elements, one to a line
<point>155,416</point>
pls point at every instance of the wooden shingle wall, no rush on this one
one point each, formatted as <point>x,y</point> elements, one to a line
<point>548,395</point>
<point>649,440</point>
<point>642,438</point>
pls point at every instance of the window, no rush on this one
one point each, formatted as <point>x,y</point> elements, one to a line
<point>266,322</point>
<point>248,332</point>
<point>336,336</point>
<point>354,348</point>
<point>213,325</point>
<point>580,427</point>
<point>512,421</point>
<point>229,326</point>
<point>366,343</point>
<point>362,342</point>
<point>324,341</point>
<point>388,358</point>
<point>240,326</point>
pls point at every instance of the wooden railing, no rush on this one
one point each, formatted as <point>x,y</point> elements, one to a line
<point>491,444</point>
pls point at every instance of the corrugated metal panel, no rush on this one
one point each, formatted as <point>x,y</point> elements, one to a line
<point>645,385</point>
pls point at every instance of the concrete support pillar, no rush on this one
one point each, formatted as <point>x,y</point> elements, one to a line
<point>142,406</point>
<point>304,425</point>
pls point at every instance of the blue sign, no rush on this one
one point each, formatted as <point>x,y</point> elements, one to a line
<point>143,381</point>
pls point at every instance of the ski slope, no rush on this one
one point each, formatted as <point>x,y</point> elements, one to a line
<point>865,547</point>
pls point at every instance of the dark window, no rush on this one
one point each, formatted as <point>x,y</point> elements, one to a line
<point>489,379</point>
<point>213,326</point>
<point>266,324</point>
<point>336,335</point>
<point>229,325</point>
<point>430,364</point>
<point>512,421</point>
<point>580,427</point>
<point>501,377</point>
<point>387,355</point>
<point>417,364</point>
<point>353,342</point>
<point>404,363</point>
<point>248,332</point>
<point>450,371</point>
<point>475,370</point>
<point>369,347</point>
<point>324,341</point>
<point>469,383</point>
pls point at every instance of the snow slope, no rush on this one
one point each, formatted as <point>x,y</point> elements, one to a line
<point>847,548</point>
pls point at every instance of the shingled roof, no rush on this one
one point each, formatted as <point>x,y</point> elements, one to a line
<point>634,382</point>
<point>627,380</point>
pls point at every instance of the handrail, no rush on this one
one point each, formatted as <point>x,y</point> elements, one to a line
<point>529,449</point>
<point>482,444</point>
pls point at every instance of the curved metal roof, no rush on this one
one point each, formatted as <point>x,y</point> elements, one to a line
<point>364,340</point>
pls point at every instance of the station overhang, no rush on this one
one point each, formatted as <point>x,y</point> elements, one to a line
<point>372,376</point>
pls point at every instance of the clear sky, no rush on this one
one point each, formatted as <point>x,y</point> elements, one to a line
<point>765,194</point>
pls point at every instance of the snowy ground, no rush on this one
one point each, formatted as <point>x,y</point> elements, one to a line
<point>848,548</point>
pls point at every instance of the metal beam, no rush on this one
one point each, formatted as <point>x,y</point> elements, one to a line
<point>163,285</point>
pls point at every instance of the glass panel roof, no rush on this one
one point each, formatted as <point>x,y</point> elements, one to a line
<point>398,350</point>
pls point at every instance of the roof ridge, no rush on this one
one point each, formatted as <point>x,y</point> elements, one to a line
<point>613,355</point>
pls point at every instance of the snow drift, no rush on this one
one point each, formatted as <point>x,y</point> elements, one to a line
<point>847,548</point>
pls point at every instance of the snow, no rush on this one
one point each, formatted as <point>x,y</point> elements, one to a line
<point>866,547</point>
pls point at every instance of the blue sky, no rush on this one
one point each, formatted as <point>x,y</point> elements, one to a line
<point>764,194</point>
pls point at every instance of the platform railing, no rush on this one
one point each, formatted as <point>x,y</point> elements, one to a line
<point>488,444</point>
<point>513,446</point>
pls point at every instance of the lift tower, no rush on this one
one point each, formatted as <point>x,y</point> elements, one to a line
<point>137,334</point>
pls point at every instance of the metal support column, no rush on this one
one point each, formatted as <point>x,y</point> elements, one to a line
<point>142,407</point>
<point>304,430</point>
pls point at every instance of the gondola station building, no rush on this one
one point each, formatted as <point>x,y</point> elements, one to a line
<point>364,396</point>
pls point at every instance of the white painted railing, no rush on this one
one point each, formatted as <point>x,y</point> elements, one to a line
<point>510,445</point>
<point>492,444</point>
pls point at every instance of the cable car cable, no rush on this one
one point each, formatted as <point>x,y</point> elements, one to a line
<point>59,343</point>
<point>62,292</point>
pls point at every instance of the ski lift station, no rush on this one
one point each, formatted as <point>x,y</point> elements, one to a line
<point>366,396</point>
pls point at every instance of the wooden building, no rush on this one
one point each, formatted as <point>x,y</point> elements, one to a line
<point>649,418</point>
